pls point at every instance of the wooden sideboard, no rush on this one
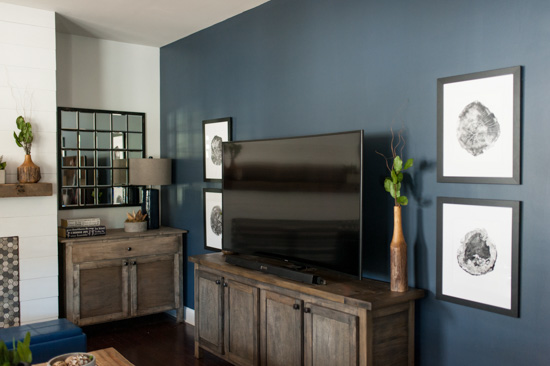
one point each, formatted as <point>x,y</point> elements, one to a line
<point>251,318</point>
<point>121,275</point>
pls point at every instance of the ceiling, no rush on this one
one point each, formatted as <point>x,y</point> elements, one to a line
<point>146,22</point>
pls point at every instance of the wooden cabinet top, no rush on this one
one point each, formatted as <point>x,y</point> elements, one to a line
<point>120,234</point>
<point>366,293</point>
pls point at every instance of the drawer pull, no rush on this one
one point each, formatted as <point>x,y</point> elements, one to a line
<point>296,307</point>
<point>129,248</point>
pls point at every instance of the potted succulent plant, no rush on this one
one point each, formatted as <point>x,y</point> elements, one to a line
<point>2,170</point>
<point>19,355</point>
<point>136,222</point>
<point>28,172</point>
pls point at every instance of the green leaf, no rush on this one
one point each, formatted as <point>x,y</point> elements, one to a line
<point>387,184</point>
<point>17,140</point>
<point>394,177</point>
<point>28,136</point>
<point>20,351</point>
<point>397,164</point>
<point>20,121</point>
<point>3,352</point>
<point>3,166</point>
<point>403,200</point>
<point>24,352</point>
<point>393,191</point>
<point>399,177</point>
<point>27,340</point>
<point>15,354</point>
<point>408,164</point>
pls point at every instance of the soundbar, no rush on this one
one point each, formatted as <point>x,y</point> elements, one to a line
<point>278,270</point>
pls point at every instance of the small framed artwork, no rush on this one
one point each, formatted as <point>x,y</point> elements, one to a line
<point>478,127</point>
<point>478,253</point>
<point>214,132</point>
<point>213,228</point>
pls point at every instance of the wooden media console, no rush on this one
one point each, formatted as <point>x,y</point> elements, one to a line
<point>252,318</point>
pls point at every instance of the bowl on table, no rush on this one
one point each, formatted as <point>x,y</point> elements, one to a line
<point>73,359</point>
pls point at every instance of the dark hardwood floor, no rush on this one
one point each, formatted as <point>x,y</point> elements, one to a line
<point>154,340</point>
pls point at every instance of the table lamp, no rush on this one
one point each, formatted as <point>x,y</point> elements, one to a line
<point>150,172</point>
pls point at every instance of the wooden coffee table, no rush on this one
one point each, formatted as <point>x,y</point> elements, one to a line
<point>106,357</point>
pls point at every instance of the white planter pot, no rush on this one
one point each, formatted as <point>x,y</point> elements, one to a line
<point>2,176</point>
<point>135,227</point>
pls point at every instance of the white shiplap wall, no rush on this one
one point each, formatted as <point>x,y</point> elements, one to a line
<point>101,74</point>
<point>28,86</point>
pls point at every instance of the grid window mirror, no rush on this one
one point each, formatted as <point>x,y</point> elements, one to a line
<point>93,151</point>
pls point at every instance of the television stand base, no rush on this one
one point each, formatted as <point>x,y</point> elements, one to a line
<point>346,322</point>
<point>278,270</point>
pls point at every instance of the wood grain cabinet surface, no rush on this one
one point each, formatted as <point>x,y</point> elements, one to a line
<point>121,275</point>
<point>252,318</point>
<point>282,333</point>
<point>228,321</point>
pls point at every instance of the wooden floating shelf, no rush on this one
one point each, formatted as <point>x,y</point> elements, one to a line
<point>25,190</point>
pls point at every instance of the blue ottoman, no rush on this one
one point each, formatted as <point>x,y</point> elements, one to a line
<point>48,339</point>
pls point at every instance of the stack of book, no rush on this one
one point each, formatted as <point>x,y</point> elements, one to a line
<point>76,228</point>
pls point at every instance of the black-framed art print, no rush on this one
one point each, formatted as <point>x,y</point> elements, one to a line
<point>478,127</point>
<point>214,132</point>
<point>212,208</point>
<point>478,253</point>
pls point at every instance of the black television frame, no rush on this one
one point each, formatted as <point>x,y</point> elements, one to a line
<point>359,263</point>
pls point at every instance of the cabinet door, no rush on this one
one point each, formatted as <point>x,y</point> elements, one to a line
<point>282,330</point>
<point>100,291</point>
<point>331,337</point>
<point>209,311</point>
<point>241,323</point>
<point>154,284</point>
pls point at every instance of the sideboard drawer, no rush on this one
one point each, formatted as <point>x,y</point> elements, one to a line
<point>136,247</point>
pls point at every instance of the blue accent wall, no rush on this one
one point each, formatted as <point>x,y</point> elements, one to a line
<point>306,67</point>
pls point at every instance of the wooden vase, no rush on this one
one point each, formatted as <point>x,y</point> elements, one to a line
<point>28,172</point>
<point>398,255</point>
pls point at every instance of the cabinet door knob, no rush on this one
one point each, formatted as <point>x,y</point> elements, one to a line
<point>307,310</point>
<point>225,284</point>
<point>125,263</point>
<point>218,282</point>
<point>296,307</point>
<point>134,263</point>
<point>129,248</point>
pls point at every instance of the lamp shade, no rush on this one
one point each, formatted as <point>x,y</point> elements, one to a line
<point>150,172</point>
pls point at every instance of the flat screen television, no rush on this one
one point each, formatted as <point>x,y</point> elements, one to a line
<point>297,199</point>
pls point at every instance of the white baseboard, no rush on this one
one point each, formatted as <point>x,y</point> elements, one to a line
<point>188,315</point>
